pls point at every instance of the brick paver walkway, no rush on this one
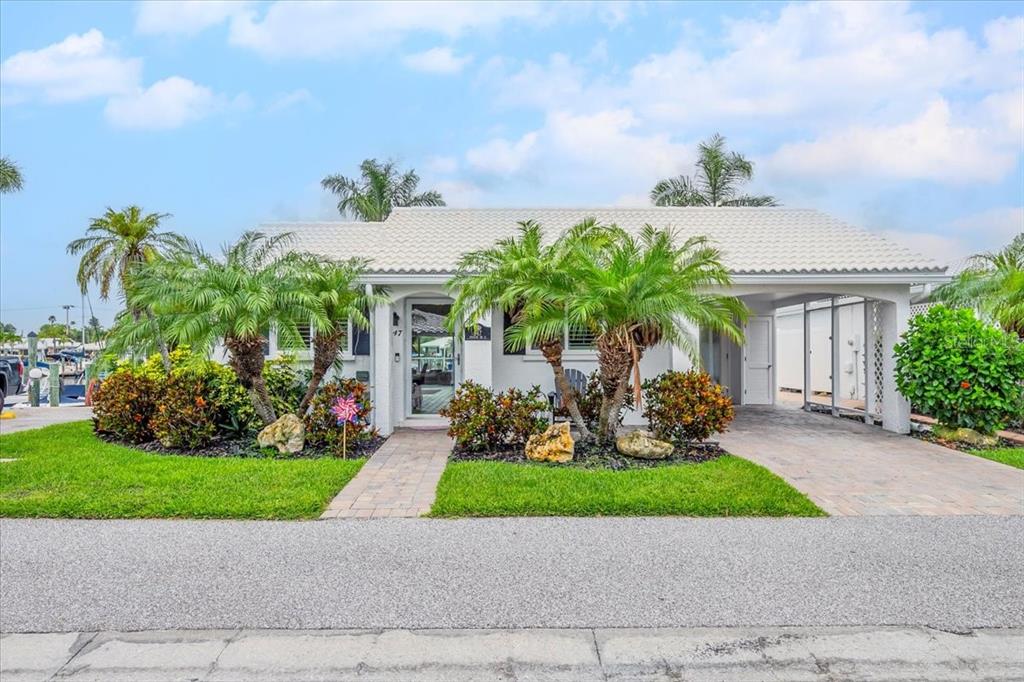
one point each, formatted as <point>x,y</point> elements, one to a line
<point>851,469</point>
<point>400,479</point>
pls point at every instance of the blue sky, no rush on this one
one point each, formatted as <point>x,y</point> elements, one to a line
<point>903,118</point>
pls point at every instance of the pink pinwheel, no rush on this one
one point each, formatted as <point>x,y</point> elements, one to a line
<point>346,410</point>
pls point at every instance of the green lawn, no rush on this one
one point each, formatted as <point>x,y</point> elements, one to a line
<point>727,486</point>
<point>65,471</point>
<point>1011,456</point>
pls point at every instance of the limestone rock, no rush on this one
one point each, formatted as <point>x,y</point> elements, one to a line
<point>965,435</point>
<point>554,445</point>
<point>287,434</point>
<point>643,445</point>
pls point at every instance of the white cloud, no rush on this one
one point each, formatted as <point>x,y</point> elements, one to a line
<point>332,29</point>
<point>501,157</point>
<point>169,103</point>
<point>436,60</point>
<point>184,17</point>
<point>300,97</point>
<point>79,67</point>
<point>442,165</point>
<point>458,193</point>
<point>931,147</point>
<point>945,249</point>
<point>993,228</point>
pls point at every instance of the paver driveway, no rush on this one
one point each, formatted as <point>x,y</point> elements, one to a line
<point>852,469</point>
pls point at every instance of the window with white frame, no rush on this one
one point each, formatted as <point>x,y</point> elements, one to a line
<point>305,340</point>
<point>575,339</point>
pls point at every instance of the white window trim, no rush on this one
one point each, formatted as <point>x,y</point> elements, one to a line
<point>347,353</point>
<point>534,354</point>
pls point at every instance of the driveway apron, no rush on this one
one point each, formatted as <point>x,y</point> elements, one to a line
<point>852,469</point>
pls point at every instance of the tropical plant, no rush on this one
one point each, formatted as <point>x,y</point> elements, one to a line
<point>686,407</point>
<point>183,417</point>
<point>124,404</point>
<point>531,282</point>
<point>637,291</point>
<point>716,181</point>
<point>55,331</point>
<point>961,371</point>
<point>380,188</point>
<point>115,245</point>
<point>993,283</point>
<point>94,330</point>
<point>483,421</point>
<point>10,176</point>
<point>336,285</point>
<point>201,300</point>
<point>322,429</point>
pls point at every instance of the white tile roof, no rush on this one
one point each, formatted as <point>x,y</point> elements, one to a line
<point>752,240</point>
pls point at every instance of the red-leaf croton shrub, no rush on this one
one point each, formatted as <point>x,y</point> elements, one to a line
<point>183,417</point>
<point>686,406</point>
<point>961,371</point>
<point>484,421</point>
<point>322,426</point>
<point>123,406</point>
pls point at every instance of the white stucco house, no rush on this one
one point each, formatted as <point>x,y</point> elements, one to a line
<point>780,260</point>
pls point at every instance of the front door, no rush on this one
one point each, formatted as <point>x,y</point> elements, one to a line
<point>757,361</point>
<point>433,357</point>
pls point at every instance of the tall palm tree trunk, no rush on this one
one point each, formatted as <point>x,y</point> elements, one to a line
<point>325,350</point>
<point>615,361</point>
<point>552,352</point>
<point>247,361</point>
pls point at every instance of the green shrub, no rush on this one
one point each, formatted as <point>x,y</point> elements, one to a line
<point>183,417</point>
<point>283,384</point>
<point>322,428</point>
<point>482,421</point>
<point>686,406</point>
<point>123,405</point>
<point>961,371</point>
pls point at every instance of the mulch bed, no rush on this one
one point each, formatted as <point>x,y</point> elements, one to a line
<point>957,445</point>
<point>596,455</point>
<point>247,447</point>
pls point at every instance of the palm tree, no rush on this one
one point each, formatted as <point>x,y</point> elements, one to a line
<point>114,247</point>
<point>716,181</point>
<point>380,188</point>
<point>10,176</point>
<point>531,282</point>
<point>200,300</point>
<point>636,292</point>
<point>336,286</point>
<point>993,283</point>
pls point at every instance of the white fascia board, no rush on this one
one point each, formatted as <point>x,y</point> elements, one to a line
<point>802,278</point>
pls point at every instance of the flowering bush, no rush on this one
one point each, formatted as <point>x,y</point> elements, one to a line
<point>482,421</point>
<point>686,406</point>
<point>124,404</point>
<point>965,373</point>
<point>322,429</point>
<point>183,418</point>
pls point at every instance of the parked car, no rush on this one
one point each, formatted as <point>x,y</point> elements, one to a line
<point>6,371</point>
<point>15,374</point>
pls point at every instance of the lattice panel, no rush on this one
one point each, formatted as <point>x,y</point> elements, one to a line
<point>919,308</point>
<point>875,335</point>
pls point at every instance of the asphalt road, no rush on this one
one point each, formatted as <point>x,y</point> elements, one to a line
<point>949,573</point>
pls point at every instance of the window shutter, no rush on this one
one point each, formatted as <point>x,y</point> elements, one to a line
<point>506,323</point>
<point>580,338</point>
<point>360,341</point>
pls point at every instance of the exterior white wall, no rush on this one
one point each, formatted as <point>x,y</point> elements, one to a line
<point>789,335</point>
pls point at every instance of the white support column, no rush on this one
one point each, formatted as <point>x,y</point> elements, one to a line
<point>477,355</point>
<point>835,372</point>
<point>807,359</point>
<point>383,361</point>
<point>895,408</point>
<point>870,408</point>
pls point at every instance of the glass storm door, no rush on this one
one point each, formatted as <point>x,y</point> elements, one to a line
<point>432,357</point>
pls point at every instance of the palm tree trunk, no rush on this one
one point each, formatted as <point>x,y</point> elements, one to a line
<point>325,350</point>
<point>552,352</point>
<point>247,362</point>
<point>161,344</point>
<point>615,361</point>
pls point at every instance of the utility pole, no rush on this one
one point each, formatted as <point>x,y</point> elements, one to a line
<point>67,318</point>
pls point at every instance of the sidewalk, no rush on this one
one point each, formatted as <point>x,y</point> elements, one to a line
<point>36,417</point>
<point>736,654</point>
<point>399,480</point>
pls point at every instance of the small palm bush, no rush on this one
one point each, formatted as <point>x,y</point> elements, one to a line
<point>686,406</point>
<point>961,371</point>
